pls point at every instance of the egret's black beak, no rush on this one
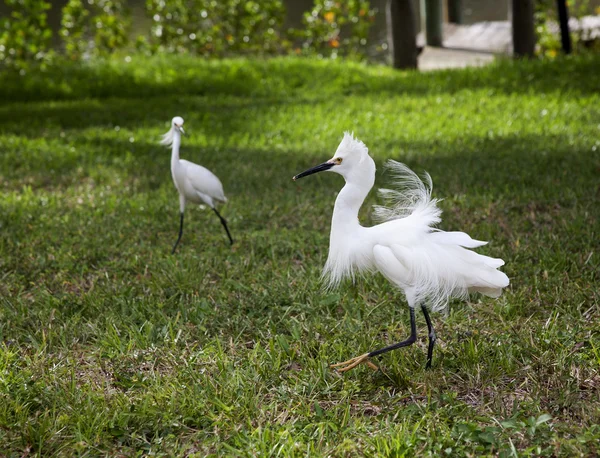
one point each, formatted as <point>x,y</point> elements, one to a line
<point>318,168</point>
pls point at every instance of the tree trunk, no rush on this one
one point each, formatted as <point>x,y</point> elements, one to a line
<point>402,31</point>
<point>563,16</point>
<point>523,28</point>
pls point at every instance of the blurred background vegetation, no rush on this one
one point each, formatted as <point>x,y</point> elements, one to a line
<point>41,32</point>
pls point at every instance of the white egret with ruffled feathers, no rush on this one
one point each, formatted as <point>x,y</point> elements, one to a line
<point>429,265</point>
<point>195,183</point>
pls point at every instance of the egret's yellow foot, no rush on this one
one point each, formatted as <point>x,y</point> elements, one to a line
<point>352,363</point>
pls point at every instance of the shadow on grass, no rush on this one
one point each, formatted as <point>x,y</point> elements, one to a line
<point>122,112</point>
<point>502,167</point>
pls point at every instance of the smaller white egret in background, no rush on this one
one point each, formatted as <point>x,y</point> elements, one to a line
<point>194,182</point>
<point>429,265</point>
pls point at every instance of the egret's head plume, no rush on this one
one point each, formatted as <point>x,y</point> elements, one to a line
<point>351,160</point>
<point>176,126</point>
<point>351,147</point>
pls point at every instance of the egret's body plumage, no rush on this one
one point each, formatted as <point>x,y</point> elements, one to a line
<point>194,183</point>
<point>429,265</point>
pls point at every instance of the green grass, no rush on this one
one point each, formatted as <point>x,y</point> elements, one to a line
<point>110,345</point>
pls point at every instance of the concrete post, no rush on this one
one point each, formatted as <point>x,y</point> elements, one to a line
<point>455,11</point>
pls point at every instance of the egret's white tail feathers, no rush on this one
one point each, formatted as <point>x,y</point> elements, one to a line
<point>433,272</point>
<point>490,292</point>
<point>488,280</point>
<point>411,196</point>
<point>456,238</point>
<point>167,139</point>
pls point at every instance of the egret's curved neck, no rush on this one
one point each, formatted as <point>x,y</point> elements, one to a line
<point>175,148</point>
<point>348,203</point>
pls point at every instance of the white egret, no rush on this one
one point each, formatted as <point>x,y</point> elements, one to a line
<point>194,182</point>
<point>429,265</point>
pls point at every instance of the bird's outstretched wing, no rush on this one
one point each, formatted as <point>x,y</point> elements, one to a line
<point>203,181</point>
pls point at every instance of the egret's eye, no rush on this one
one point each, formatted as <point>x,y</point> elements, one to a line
<point>338,160</point>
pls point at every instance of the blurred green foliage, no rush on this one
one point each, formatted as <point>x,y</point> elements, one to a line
<point>100,27</point>
<point>111,23</point>
<point>74,25</point>
<point>217,28</point>
<point>335,27</point>
<point>208,28</point>
<point>25,35</point>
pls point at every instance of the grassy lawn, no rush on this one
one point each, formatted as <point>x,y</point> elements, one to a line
<point>110,345</point>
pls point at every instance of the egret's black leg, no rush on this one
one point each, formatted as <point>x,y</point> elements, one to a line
<point>224,223</point>
<point>432,337</point>
<point>351,363</point>
<point>180,234</point>
<point>405,343</point>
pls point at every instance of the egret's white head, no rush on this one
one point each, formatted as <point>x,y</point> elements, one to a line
<point>177,123</point>
<point>351,160</point>
<point>176,128</point>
